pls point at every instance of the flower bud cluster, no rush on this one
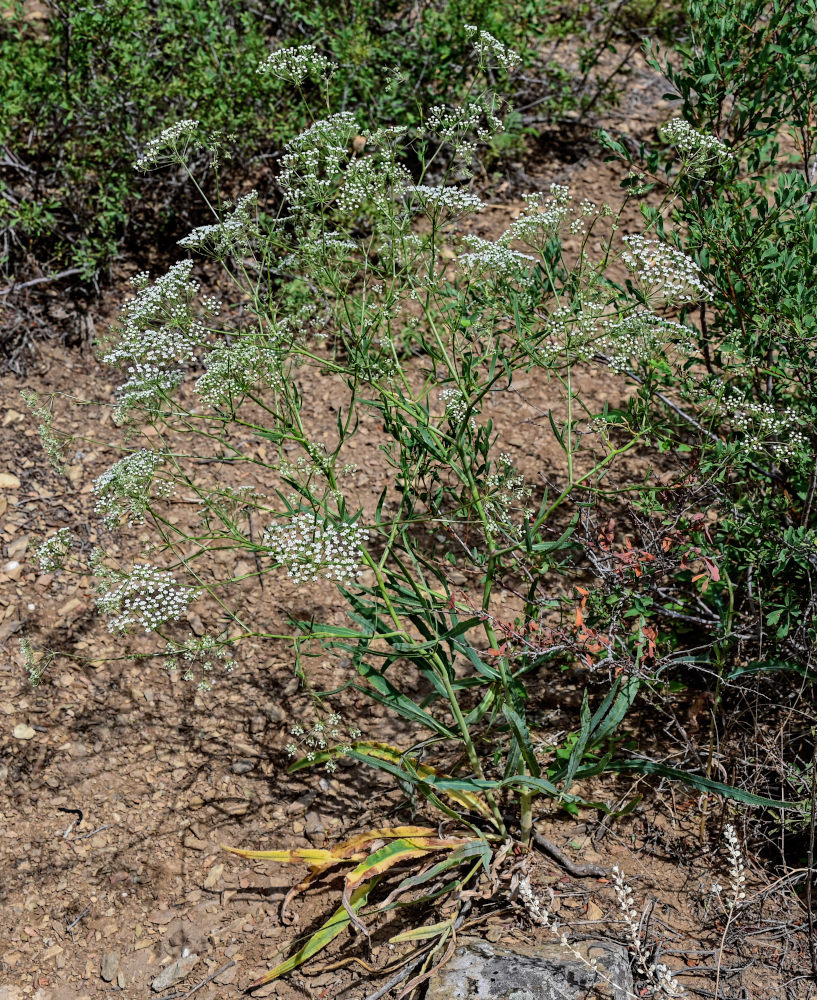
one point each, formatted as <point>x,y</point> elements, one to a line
<point>311,548</point>
<point>148,597</point>
<point>324,734</point>
<point>505,490</point>
<point>765,427</point>
<point>198,656</point>
<point>456,405</point>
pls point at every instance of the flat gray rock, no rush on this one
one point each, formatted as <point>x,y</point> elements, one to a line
<point>109,966</point>
<point>174,973</point>
<point>479,970</point>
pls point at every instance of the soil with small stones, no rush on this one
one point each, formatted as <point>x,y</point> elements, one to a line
<point>119,782</point>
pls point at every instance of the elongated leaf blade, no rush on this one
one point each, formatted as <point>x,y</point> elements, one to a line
<point>421,933</point>
<point>322,937</point>
<point>471,849</point>
<point>387,857</point>
<point>458,792</point>
<point>698,781</point>
<point>522,734</point>
<point>299,856</point>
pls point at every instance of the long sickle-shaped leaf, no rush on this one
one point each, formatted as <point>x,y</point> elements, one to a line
<point>394,756</point>
<point>401,765</point>
<point>698,781</point>
<point>325,935</point>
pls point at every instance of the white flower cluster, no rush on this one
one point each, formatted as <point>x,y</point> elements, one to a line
<point>737,866</point>
<point>454,201</point>
<point>494,257</point>
<point>322,735</point>
<point>234,235</point>
<point>52,552</point>
<point>169,146</point>
<point>158,330</point>
<point>202,653</point>
<point>586,208</point>
<point>505,490</point>
<point>157,323</point>
<point>764,427</point>
<point>126,489</point>
<point>574,330</point>
<point>658,974</point>
<point>311,548</point>
<point>639,336</point>
<point>696,149</point>
<point>456,405</point>
<point>490,49</point>
<point>149,597</point>
<point>541,217</point>
<point>664,273</point>
<point>234,370</point>
<point>372,180</point>
<point>146,389</point>
<point>296,64</point>
<point>315,157</point>
<point>454,124</point>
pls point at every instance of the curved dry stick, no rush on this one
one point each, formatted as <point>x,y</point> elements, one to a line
<point>558,855</point>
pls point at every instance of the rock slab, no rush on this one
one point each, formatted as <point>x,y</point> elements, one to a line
<point>109,966</point>
<point>174,973</point>
<point>479,970</point>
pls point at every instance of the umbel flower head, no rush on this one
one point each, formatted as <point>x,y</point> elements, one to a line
<point>126,489</point>
<point>695,148</point>
<point>663,273</point>
<point>490,50</point>
<point>53,551</point>
<point>169,146</point>
<point>295,64</point>
<point>148,597</point>
<point>310,547</point>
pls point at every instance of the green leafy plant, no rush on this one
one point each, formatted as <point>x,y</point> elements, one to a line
<point>350,282</point>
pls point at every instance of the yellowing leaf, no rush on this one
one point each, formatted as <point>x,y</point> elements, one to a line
<point>306,855</point>
<point>421,933</point>
<point>394,755</point>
